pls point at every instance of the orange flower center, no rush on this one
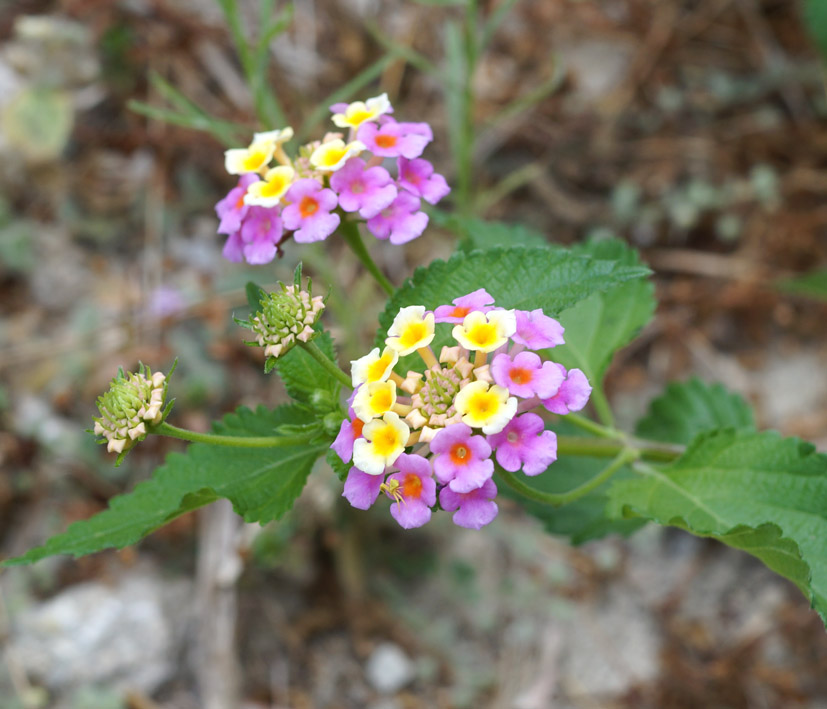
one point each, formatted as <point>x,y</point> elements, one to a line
<point>460,455</point>
<point>460,311</point>
<point>386,141</point>
<point>412,485</point>
<point>240,203</point>
<point>520,376</point>
<point>308,206</point>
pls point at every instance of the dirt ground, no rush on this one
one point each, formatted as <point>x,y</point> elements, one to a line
<point>694,129</point>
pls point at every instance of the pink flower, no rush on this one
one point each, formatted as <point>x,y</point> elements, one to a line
<point>537,330</point>
<point>231,210</point>
<point>261,233</point>
<point>361,489</point>
<point>463,461</point>
<point>573,394</point>
<point>393,140</point>
<point>368,191</point>
<point>418,176</point>
<point>524,443</point>
<point>350,430</point>
<point>526,375</point>
<point>476,508</point>
<point>401,221</point>
<point>413,489</point>
<point>478,300</point>
<point>309,211</point>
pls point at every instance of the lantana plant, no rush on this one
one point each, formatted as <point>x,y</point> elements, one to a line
<point>485,381</point>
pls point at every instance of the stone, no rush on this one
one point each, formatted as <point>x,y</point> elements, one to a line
<point>389,668</point>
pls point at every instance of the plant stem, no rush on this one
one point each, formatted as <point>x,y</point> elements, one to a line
<point>601,406</point>
<point>626,455</point>
<point>213,439</point>
<point>592,426</point>
<point>313,350</point>
<point>354,241</point>
<point>605,448</point>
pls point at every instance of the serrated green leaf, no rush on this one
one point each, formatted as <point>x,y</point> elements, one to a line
<point>262,484</point>
<point>606,321</point>
<point>255,294</point>
<point>688,408</point>
<point>340,468</point>
<point>758,492</point>
<point>519,277</point>
<point>302,375</point>
<point>812,284</point>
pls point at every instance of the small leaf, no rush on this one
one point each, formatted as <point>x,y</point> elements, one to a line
<point>606,321</point>
<point>341,469</point>
<point>689,408</point>
<point>758,492</point>
<point>255,294</point>
<point>262,484</point>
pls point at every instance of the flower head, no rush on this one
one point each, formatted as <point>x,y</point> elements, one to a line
<point>232,209</point>
<point>357,113</point>
<point>573,393</point>
<point>133,402</point>
<point>536,330</point>
<point>258,155</point>
<point>261,234</point>
<point>373,400</point>
<point>285,316</point>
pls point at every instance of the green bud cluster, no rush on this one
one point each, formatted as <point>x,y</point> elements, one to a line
<point>133,402</point>
<point>286,317</point>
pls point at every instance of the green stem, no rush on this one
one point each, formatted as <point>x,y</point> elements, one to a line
<point>626,455</point>
<point>592,427</point>
<point>213,439</point>
<point>605,448</point>
<point>354,241</point>
<point>313,350</point>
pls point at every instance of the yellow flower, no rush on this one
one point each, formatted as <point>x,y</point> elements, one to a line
<point>269,191</point>
<point>373,400</point>
<point>331,156</point>
<point>360,112</point>
<point>487,407</point>
<point>384,440</point>
<point>373,367</point>
<point>485,332</point>
<point>412,329</point>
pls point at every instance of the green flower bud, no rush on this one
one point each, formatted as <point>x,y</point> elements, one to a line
<point>133,402</point>
<point>286,317</point>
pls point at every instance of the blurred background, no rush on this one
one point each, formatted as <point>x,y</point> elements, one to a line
<point>696,130</point>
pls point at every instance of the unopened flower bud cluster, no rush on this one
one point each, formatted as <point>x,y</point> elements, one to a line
<point>434,435</point>
<point>286,316</point>
<point>132,402</point>
<point>307,196</point>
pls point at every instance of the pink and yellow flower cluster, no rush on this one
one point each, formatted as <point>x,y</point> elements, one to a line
<point>308,196</point>
<point>434,435</point>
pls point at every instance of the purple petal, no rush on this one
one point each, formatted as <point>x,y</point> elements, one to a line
<point>361,489</point>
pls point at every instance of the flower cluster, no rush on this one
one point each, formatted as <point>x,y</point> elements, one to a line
<point>308,196</point>
<point>435,435</point>
<point>133,402</point>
